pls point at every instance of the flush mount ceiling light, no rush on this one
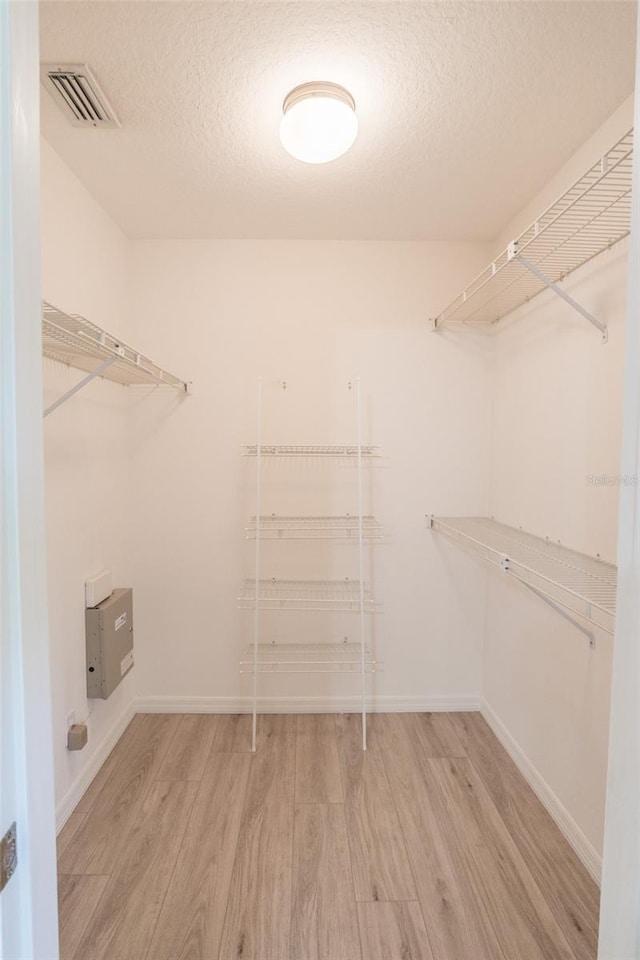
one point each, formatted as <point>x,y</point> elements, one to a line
<point>319,122</point>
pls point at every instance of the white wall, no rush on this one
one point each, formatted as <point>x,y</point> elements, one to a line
<point>557,419</point>
<point>85,262</point>
<point>315,315</point>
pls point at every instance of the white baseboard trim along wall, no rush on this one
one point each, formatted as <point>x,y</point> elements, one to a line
<point>81,784</point>
<point>563,819</point>
<point>460,703</point>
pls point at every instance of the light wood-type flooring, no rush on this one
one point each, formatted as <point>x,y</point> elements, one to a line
<point>429,846</point>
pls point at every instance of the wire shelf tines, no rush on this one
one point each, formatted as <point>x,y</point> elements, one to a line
<point>342,596</point>
<point>345,657</point>
<point>345,527</point>
<point>349,451</point>
<point>589,218</point>
<point>77,342</point>
<point>583,585</point>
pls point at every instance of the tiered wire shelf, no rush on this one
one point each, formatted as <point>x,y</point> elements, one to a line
<point>348,596</point>
<point>587,219</point>
<point>305,657</point>
<point>345,527</point>
<point>79,343</point>
<point>309,450</point>
<point>336,596</point>
<point>576,585</point>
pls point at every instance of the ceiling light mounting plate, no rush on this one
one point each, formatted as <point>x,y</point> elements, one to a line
<point>318,88</point>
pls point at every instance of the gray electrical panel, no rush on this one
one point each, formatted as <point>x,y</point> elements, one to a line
<point>109,643</point>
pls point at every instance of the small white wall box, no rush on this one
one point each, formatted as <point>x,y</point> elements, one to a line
<point>109,628</point>
<point>97,588</point>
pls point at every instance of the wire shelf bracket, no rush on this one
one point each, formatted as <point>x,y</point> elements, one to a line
<point>531,267</point>
<point>589,218</point>
<point>580,588</point>
<point>559,609</point>
<point>98,372</point>
<point>79,343</point>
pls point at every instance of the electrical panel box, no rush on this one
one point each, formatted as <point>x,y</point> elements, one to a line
<point>109,629</point>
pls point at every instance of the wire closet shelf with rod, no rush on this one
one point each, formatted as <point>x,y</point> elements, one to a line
<point>267,654</point>
<point>580,588</point>
<point>76,342</point>
<point>589,218</point>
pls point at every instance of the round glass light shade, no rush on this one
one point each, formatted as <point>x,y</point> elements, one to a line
<point>319,122</point>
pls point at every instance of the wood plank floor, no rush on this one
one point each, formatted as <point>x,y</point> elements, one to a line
<point>430,846</point>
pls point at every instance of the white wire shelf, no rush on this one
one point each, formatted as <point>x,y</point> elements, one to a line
<point>76,342</point>
<point>330,595</point>
<point>345,527</point>
<point>309,658</point>
<point>582,585</point>
<point>589,218</point>
<point>308,450</point>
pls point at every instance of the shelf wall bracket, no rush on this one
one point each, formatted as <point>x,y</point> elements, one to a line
<point>557,607</point>
<point>532,268</point>
<point>83,383</point>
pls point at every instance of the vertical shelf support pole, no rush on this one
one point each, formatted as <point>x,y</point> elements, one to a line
<point>361,563</point>
<point>256,612</point>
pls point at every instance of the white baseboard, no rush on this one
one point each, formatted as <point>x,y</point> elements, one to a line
<point>459,703</point>
<point>462,702</point>
<point>579,842</point>
<point>82,782</point>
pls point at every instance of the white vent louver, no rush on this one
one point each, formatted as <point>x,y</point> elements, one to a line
<point>76,91</point>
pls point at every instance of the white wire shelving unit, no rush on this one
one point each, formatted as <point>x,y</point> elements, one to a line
<point>333,657</point>
<point>347,596</point>
<point>589,218</point>
<point>77,342</point>
<point>345,527</point>
<point>579,587</point>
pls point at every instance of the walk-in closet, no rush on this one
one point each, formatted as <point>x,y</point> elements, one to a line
<point>320,480</point>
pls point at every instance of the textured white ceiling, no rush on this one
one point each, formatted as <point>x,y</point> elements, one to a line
<point>465,110</point>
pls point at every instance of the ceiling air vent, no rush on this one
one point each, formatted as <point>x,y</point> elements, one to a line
<point>76,91</point>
